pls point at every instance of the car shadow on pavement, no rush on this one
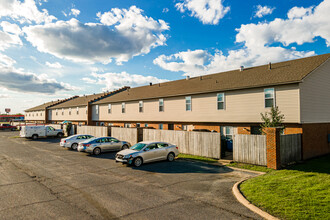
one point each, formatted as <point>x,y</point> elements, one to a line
<point>45,140</point>
<point>182,166</point>
<point>177,166</point>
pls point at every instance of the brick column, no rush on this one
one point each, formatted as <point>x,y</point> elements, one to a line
<point>273,148</point>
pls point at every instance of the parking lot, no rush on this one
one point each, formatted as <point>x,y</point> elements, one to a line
<point>41,180</point>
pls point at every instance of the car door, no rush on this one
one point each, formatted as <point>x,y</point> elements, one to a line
<point>162,151</point>
<point>150,153</point>
<point>115,144</point>
<point>104,144</point>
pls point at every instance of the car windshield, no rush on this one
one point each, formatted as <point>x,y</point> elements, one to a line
<point>138,146</point>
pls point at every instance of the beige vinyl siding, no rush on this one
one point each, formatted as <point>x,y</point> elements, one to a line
<point>315,95</point>
<point>82,116</point>
<point>240,106</point>
<point>32,116</point>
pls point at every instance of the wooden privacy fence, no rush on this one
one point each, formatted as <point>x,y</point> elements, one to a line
<point>195,143</point>
<point>97,131</point>
<point>250,149</point>
<point>125,134</point>
<point>290,146</point>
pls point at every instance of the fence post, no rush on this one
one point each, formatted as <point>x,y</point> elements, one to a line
<point>273,148</point>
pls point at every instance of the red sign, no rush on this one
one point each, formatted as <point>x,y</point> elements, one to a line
<point>7,110</point>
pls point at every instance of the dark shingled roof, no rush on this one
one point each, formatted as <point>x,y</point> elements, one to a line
<point>49,104</point>
<point>287,72</point>
<point>84,100</point>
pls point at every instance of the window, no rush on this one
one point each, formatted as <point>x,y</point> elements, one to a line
<point>220,101</point>
<point>69,111</point>
<point>109,108</point>
<point>161,105</point>
<point>40,113</point>
<point>188,103</point>
<point>269,98</point>
<point>146,125</point>
<point>123,107</point>
<point>77,110</point>
<point>97,109</point>
<point>36,114</point>
<point>160,126</point>
<point>62,111</point>
<point>86,109</point>
<point>56,112</point>
<point>138,125</point>
<point>127,125</point>
<point>140,106</point>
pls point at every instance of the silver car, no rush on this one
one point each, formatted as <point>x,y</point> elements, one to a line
<point>147,151</point>
<point>73,140</point>
<point>102,144</point>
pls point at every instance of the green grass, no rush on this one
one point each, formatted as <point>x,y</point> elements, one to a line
<point>199,158</point>
<point>250,167</point>
<point>298,192</point>
<point>14,137</point>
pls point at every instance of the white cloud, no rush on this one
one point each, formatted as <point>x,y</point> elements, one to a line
<point>263,10</point>
<point>18,80</point>
<point>74,12</point>
<point>26,11</point>
<point>302,26</point>
<point>6,61</point>
<point>121,35</point>
<point>207,11</point>
<point>55,65</point>
<point>299,12</point>
<point>165,10</point>
<point>113,81</point>
<point>2,96</point>
<point>8,40</point>
<point>10,28</point>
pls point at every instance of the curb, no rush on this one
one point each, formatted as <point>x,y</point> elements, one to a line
<point>237,193</point>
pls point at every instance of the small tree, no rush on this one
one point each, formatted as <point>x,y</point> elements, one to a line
<point>68,129</point>
<point>274,118</point>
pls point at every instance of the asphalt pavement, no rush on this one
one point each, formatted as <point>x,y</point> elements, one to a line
<point>41,180</point>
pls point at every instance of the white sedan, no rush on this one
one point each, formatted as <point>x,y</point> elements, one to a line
<point>73,141</point>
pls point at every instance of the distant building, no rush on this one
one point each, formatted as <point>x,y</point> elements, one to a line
<point>9,118</point>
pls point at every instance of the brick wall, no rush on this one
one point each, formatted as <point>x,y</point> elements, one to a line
<point>273,148</point>
<point>315,140</point>
<point>244,130</point>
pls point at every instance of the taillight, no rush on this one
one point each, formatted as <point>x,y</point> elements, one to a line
<point>64,141</point>
<point>177,148</point>
<point>86,145</point>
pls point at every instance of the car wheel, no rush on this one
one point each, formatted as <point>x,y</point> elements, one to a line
<point>97,151</point>
<point>124,147</point>
<point>34,137</point>
<point>60,135</point>
<point>170,157</point>
<point>74,146</point>
<point>138,161</point>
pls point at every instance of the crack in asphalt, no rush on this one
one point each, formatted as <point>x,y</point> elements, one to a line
<point>25,205</point>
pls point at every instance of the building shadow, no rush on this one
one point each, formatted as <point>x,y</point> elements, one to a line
<point>316,165</point>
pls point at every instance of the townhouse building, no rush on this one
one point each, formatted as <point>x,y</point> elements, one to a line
<point>77,110</point>
<point>227,102</point>
<point>231,102</point>
<point>39,114</point>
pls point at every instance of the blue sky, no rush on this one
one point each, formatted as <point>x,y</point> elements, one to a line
<point>51,49</point>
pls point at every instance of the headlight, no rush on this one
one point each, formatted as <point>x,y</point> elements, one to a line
<point>128,156</point>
